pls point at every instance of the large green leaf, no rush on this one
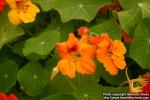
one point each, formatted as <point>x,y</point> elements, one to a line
<point>41,45</point>
<point>8,32</point>
<point>140,48</point>
<point>109,26</point>
<point>33,78</point>
<point>45,4</point>
<point>8,74</point>
<point>79,9</point>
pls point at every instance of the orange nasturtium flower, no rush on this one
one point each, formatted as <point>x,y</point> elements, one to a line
<point>77,56</point>
<point>111,54</point>
<point>22,11</point>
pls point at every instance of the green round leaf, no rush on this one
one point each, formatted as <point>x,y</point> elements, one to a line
<point>79,9</point>
<point>8,74</point>
<point>33,78</point>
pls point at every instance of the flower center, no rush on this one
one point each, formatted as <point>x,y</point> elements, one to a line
<point>77,55</point>
<point>73,50</point>
<point>110,54</point>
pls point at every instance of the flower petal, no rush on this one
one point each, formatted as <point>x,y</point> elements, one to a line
<point>67,67</point>
<point>32,8</point>
<point>72,42</point>
<point>103,57</point>
<point>87,65</point>
<point>118,48</point>
<point>62,50</point>
<point>101,54</point>
<point>84,39</point>
<point>12,4</point>
<point>110,66</point>
<point>105,41</point>
<point>25,11</point>
<point>87,49</point>
<point>27,17</point>
<point>119,61</point>
<point>14,17</point>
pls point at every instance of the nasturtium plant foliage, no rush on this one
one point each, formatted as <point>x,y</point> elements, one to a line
<point>74,49</point>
